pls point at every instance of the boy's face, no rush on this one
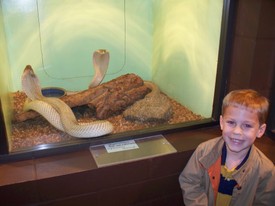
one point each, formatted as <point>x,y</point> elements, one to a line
<point>240,127</point>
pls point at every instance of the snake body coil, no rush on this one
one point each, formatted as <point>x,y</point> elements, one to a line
<point>57,112</point>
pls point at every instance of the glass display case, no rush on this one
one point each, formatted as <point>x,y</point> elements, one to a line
<point>142,66</point>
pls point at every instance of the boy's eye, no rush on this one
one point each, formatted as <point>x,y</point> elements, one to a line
<point>230,122</point>
<point>247,126</point>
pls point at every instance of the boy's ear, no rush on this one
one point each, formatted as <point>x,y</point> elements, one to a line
<point>261,131</point>
<point>221,122</point>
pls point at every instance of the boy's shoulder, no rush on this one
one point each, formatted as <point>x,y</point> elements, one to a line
<point>217,141</point>
<point>213,146</point>
<point>262,159</point>
<point>209,151</point>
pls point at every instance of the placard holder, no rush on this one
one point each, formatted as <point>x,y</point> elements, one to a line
<point>131,150</point>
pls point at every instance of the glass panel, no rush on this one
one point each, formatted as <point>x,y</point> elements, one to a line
<point>172,44</point>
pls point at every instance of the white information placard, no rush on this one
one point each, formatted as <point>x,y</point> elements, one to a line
<point>131,150</point>
<point>121,146</point>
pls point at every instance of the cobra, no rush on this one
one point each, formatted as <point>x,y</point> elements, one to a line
<point>57,112</point>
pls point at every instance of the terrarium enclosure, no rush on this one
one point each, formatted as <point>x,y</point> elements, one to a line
<point>161,69</point>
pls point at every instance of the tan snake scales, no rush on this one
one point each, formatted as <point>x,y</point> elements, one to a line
<point>57,112</point>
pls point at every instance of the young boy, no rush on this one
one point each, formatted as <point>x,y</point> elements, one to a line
<point>230,170</point>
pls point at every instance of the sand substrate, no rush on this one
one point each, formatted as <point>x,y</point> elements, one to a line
<point>38,131</point>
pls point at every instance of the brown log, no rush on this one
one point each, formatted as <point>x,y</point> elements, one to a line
<point>109,98</point>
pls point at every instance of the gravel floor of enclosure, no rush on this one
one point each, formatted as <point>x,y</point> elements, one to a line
<point>38,131</point>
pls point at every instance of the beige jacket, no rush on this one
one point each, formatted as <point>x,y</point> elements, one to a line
<point>199,180</point>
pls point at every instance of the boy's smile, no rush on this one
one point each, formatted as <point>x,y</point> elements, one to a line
<point>240,127</point>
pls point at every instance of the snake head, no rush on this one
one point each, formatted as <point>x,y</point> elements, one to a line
<point>29,71</point>
<point>30,83</point>
<point>101,59</point>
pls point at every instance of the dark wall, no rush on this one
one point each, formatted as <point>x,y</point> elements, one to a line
<point>252,63</point>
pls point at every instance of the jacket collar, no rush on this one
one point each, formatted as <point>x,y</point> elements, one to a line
<point>214,152</point>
